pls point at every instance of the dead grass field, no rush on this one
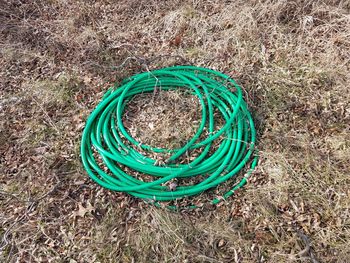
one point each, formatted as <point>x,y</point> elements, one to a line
<point>57,58</point>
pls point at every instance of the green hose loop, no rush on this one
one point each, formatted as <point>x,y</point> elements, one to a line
<point>107,148</point>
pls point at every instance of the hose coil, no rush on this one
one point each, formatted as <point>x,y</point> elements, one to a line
<point>107,148</point>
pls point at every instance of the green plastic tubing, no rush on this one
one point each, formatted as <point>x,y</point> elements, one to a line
<point>104,132</point>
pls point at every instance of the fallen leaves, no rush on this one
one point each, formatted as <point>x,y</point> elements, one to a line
<point>83,210</point>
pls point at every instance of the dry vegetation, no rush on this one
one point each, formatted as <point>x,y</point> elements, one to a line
<point>291,57</point>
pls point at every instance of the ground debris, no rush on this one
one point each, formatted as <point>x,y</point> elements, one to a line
<point>58,58</point>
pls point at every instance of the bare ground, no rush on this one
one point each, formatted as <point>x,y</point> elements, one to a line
<point>292,58</point>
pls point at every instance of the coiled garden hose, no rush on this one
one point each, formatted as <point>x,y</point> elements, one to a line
<point>107,148</point>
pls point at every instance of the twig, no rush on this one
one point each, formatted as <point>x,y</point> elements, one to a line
<point>4,241</point>
<point>46,114</point>
<point>141,61</point>
<point>307,251</point>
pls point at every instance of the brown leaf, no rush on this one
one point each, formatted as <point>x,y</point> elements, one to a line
<point>264,237</point>
<point>82,211</point>
<point>177,40</point>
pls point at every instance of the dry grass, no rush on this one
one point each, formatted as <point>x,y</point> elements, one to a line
<point>163,119</point>
<point>292,59</point>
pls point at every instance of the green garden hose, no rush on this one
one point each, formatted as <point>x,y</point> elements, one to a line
<point>107,148</point>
